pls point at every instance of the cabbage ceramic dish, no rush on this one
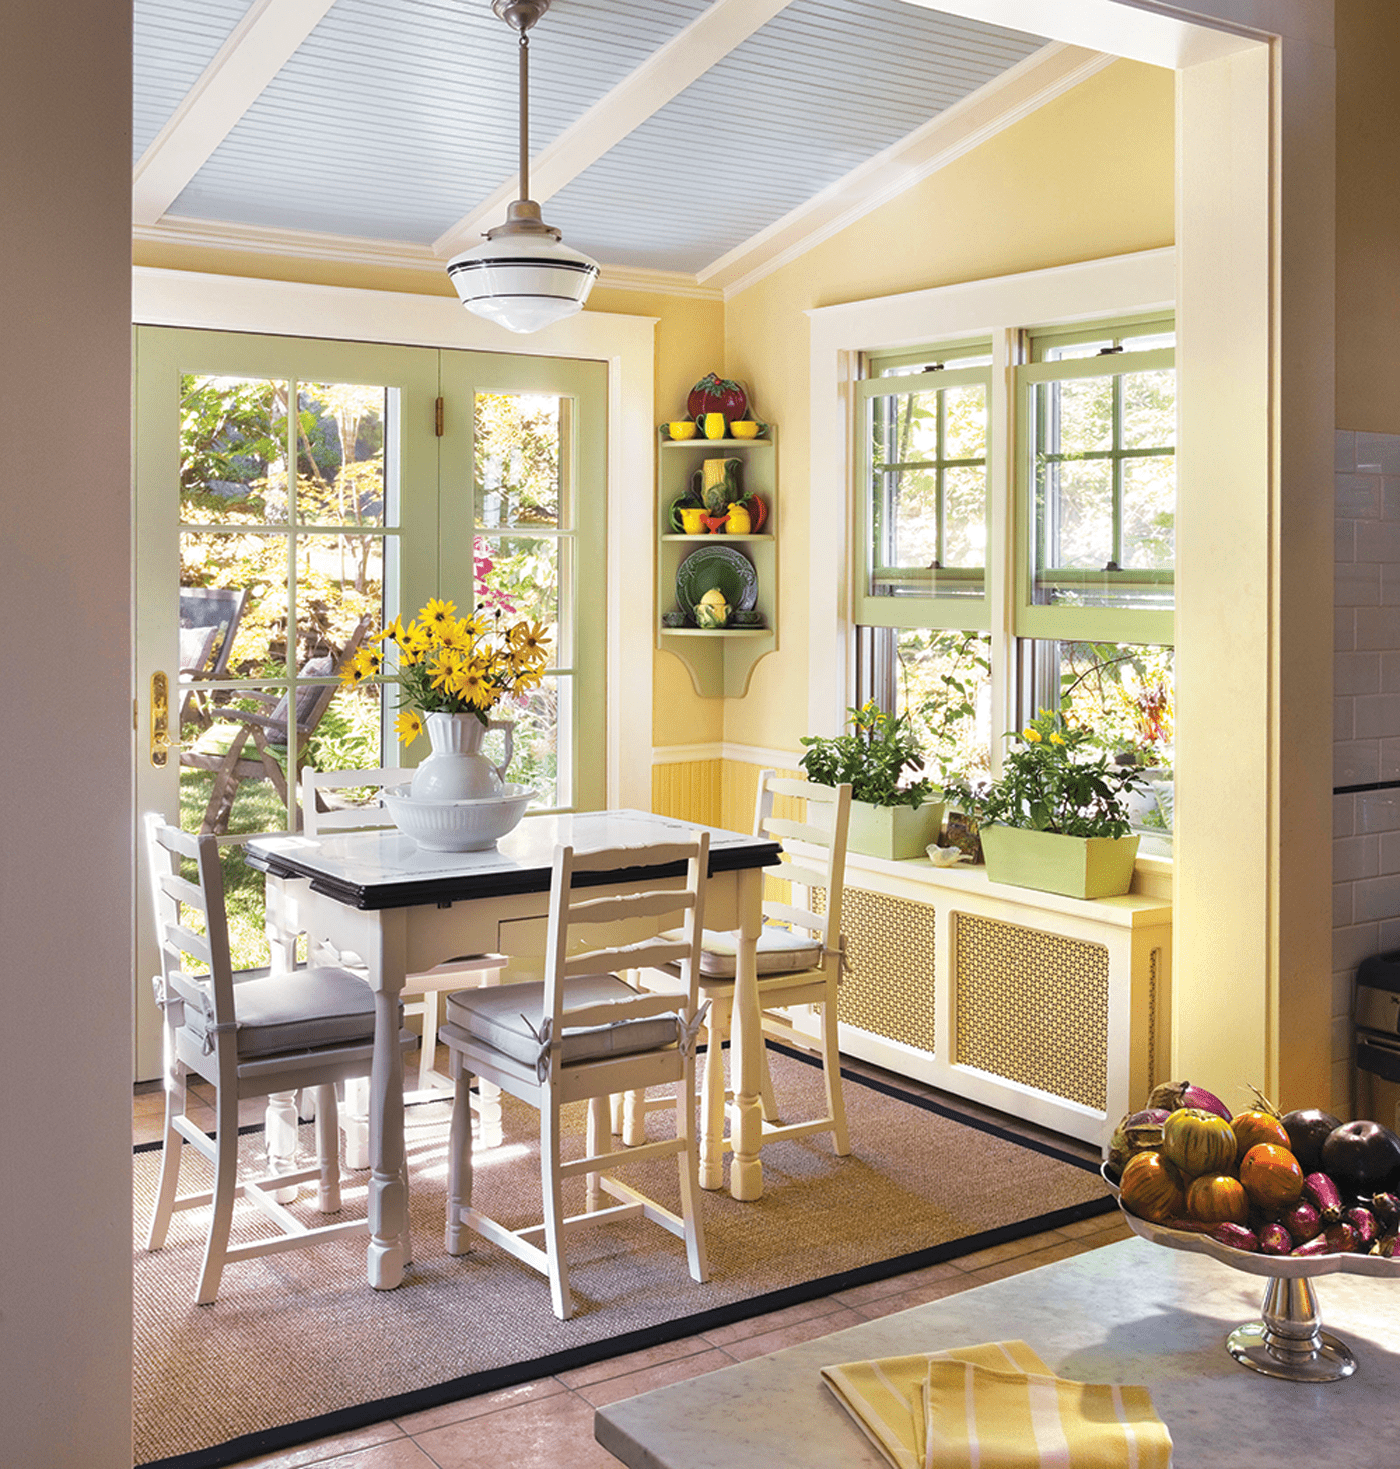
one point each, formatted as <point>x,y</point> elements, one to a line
<point>458,826</point>
<point>1288,1341</point>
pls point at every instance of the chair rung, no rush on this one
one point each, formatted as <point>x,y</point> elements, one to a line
<point>598,1161</point>
<point>575,1222</point>
<point>650,1209</point>
<point>512,1241</point>
<point>297,1241</point>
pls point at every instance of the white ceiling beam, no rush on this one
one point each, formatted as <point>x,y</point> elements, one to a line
<point>967,124</point>
<point>258,47</point>
<point>1160,34</point>
<point>663,75</point>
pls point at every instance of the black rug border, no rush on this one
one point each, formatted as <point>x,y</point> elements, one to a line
<point>512,1374</point>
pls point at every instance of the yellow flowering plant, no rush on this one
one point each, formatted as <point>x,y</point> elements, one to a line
<point>454,665</point>
<point>1056,778</point>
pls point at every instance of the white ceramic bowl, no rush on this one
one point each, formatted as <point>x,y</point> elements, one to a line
<point>457,826</point>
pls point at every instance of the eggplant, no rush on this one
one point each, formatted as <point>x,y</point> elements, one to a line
<point>1363,1222</point>
<point>1138,1132</point>
<point>1341,1239</point>
<point>1386,1208</point>
<point>1173,1095</point>
<point>1303,1222</point>
<point>1318,1246</point>
<point>1322,1194</point>
<point>1236,1236</point>
<point>1308,1128</point>
<point>1361,1155</point>
<point>1274,1239</point>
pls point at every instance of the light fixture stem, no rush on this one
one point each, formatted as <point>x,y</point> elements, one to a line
<point>524,115</point>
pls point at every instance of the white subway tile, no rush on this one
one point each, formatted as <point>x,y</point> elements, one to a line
<point>1343,986</point>
<point>1378,628</point>
<point>1341,1038</point>
<point>1376,899</point>
<point>1359,496</point>
<point>1360,673</point>
<point>1379,542</point>
<point>1344,442</point>
<point>1341,904</point>
<point>1376,716</point>
<point>1380,450</point>
<point>1356,762</point>
<point>1358,584</point>
<point>1356,857</point>
<point>1351,945</point>
<point>1390,853</point>
<point>1344,717</point>
<point>1378,811</point>
<point>1343,816</point>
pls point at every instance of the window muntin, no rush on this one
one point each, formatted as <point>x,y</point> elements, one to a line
<point>925,490</point>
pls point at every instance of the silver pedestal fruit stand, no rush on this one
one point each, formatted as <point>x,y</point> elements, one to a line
<point>1288,1341</point>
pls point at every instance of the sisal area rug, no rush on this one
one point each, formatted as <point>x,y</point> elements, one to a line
<point>298,1347</point>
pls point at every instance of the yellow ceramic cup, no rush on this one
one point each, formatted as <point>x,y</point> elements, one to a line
<point>682,428</point>
<point>745,428</point>
<point>713,424</point>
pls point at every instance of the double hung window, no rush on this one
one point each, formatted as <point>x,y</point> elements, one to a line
<point>981,599</point>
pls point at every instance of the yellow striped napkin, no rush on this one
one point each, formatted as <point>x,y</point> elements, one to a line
<point>997,1406</point>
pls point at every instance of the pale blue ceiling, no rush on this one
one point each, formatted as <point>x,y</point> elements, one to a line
<point>397,117</point>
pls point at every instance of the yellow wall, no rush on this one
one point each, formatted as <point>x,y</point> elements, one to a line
<point>1368,215</point>
<point>1088,175</point>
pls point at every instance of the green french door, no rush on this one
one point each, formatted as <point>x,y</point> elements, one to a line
<point>292,496</point>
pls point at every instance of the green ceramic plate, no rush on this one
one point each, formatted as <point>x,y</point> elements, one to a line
<point>717,566</point>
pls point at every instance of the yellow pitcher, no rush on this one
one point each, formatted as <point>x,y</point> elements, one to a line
<point>716,482</point>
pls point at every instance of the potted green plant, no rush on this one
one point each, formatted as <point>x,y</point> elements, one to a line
<point>891,815</point>
<point>1057,819</point>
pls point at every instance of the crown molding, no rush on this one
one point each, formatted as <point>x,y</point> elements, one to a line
<point>212,234</point>
<point>1006,100</point>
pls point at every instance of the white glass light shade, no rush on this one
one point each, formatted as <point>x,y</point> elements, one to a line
<point>522,281</point>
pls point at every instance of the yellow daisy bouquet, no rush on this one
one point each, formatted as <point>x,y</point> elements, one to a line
<point>453,665</point>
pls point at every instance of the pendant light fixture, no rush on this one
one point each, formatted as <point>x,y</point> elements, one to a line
<point>523,277</point>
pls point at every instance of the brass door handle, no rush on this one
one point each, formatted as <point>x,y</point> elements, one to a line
<point>161,743</point>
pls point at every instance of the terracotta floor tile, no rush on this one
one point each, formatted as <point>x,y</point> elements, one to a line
<point>490,1402</point>
<point>995,1254</point>
<point>671,1351</point>
<point>1001,1269</point>
<point>340,1451</point>
<point>1081,1228</point>
<point>556,1430</point>
<point>861,1295</point>
<point>724,1336</point>
<point>921,1295</point>
<point>614,1389</point>
<point>792,1334</point>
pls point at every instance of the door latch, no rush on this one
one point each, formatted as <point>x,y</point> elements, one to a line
<point>161,743</point>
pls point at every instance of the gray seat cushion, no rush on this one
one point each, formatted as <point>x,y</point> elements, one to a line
<point>780,951</point>
<point>301,1011</point>
<point>509,1016</point>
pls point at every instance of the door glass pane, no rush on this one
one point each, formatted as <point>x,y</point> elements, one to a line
<point>340,583</point>
<point>541,730</point>
<point>518,576</point>
<point>233,445</point>
<point>340,454</point>
<point>519,460</point>
<point>238,577</point>
<point>224,780</point>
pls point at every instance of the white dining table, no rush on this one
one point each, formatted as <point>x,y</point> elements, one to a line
<point>403,909</point>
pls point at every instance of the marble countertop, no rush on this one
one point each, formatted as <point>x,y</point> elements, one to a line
<point>1128,1313</point>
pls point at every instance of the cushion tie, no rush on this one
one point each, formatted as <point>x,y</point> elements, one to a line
<point>688,1030</point>
<point>544,1035</point>
<point>172,1004</point>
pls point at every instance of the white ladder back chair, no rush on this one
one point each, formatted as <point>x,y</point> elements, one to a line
<point>263,1035</point>
<point>584,1034</point>
<point>800,958</point>
<point>320,818</point>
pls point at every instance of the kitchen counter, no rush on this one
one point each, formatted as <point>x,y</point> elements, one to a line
<point>1128,1313</point>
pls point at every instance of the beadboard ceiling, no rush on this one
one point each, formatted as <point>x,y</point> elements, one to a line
<point>695,142</point>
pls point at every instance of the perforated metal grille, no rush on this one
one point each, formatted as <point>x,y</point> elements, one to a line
<point>1153,970</point>
<point>888,986</point>
<point>1032,1007</point>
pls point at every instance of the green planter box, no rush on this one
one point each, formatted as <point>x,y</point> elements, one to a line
<point>1078,867</point>
<point>895,832</point>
